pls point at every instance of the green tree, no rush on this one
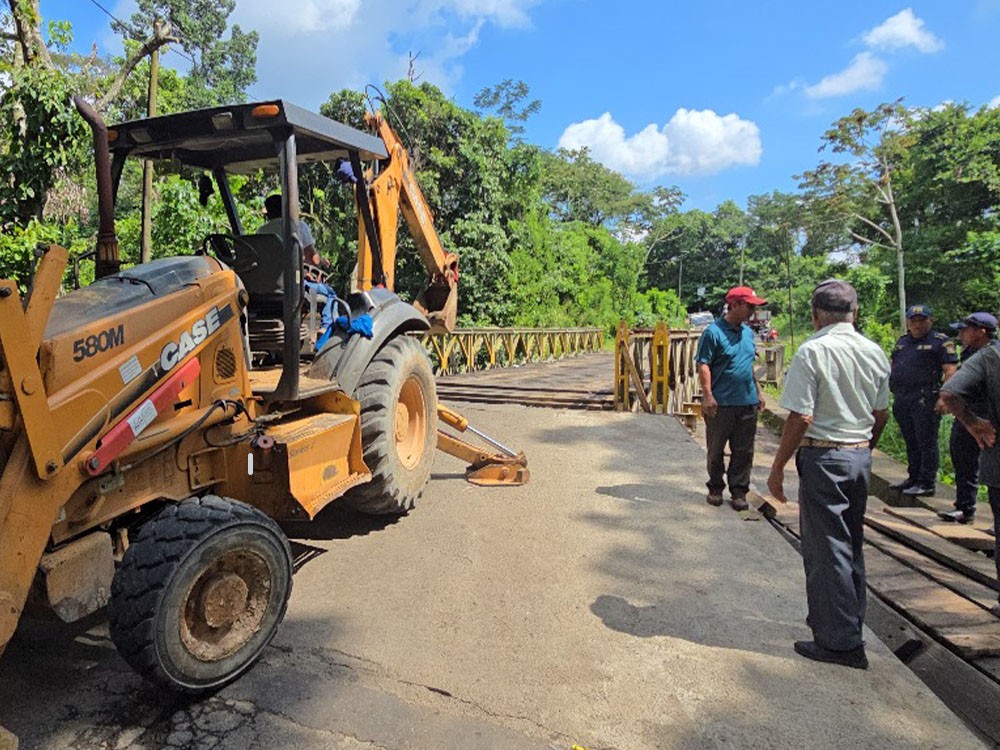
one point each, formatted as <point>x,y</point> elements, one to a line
<point>577,188</point>
<point>222,69</point>
<point>507,100</point>
<point>860,192</point>
<point>693,249</point>
<point>949,192</point>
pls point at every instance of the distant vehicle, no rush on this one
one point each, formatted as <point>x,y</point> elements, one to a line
<point>700,319</point>
<point>760,320</point>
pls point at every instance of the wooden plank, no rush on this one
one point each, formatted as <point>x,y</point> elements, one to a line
<point>966,562</point>
<point>640,389</point>
<point>958,533</point>
<point>976,592</point>
<point>984,514</point>
<point>966,627</point>
<point>970,693</point>
<point>787,514</point>
<point>990,666</point>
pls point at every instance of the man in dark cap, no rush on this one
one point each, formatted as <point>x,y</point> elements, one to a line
<point>975,332</point>
<point>921,359</point>
<point>837,396</point>
<point>979,378</point>
<point>731,396</point>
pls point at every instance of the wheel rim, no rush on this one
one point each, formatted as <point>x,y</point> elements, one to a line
<point>411,423</point>
<point>226,605</point>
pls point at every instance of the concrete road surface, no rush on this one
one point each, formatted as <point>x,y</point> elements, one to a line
<point>604,605</point>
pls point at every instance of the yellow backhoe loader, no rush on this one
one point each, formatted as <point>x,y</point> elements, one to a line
<point>155,424</point>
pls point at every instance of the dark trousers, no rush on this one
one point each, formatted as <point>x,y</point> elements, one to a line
<point>965,457</point>
<point>737,426</point>
<point>833,494</point>
<point>919,426</point>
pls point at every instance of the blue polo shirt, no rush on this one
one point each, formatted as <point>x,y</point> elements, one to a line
<point>729,353</point>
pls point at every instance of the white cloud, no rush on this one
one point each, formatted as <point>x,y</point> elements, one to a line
<point>903,30</point>
<point>994,102</point>
<point>297,16</point>
<point>865,72</point>
<point>693,142</point>
<point>310,49</point>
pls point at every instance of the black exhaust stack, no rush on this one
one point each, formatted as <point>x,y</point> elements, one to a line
<point>107,259</point>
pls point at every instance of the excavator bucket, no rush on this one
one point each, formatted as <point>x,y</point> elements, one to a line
<point>439,303</point>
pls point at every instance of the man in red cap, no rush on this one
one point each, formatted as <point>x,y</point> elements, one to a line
<point>731,396</point>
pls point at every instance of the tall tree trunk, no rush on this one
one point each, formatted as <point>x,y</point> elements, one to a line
<point>27,24</point>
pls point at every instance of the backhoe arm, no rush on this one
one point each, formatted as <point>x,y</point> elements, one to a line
<point>394,188</point>
<point>485,468</point>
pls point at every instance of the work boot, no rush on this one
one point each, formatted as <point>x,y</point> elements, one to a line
<point>900,486</point>
<point>956,516</point>
<point>739,502</point>
<point>714,499</point>
<point>919,490</point>
<point>855,658</point>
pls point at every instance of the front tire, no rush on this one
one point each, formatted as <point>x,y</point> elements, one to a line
<point>398,427</point>
<point>199,593</point>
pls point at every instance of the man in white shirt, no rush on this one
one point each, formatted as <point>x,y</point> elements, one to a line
<point>272,210</point>
<point>837,395</point>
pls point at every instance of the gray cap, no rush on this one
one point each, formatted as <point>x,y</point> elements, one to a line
<point>834,295</point>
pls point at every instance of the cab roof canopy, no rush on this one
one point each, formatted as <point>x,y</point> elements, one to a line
<point>241,137</point>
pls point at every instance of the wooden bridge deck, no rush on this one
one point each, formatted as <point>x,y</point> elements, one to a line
<point>581,382</point>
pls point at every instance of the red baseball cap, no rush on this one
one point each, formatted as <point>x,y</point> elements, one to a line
<point>744,294</point>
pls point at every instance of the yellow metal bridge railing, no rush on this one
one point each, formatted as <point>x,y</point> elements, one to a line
<point>655,369</point>
<point>468,349</point>
<point>663,359</point>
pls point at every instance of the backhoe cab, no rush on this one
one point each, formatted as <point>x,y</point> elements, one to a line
<point>155,423</point>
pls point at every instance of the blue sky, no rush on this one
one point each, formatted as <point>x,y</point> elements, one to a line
<point>723,99</point>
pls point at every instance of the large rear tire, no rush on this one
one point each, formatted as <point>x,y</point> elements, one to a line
<point>398,427</point>
<point>199,593</point>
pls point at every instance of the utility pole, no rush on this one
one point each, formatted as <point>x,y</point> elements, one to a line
<point>791,314</point>
<point>147,165</point>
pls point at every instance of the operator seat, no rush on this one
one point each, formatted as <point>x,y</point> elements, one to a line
<point>262,274</point>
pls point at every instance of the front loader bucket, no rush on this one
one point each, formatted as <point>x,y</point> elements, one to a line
<point>439,303</point>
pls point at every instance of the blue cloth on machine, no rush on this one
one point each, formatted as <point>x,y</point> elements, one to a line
<point>361,324</point>
<point>326,316</point>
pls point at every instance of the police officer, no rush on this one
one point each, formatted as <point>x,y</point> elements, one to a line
<point>921,359</point>
<point>974,332</point>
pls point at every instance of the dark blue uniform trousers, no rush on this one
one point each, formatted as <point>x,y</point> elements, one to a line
<point>919,426</point>
<point>965,457</point>
<point>833,494</point>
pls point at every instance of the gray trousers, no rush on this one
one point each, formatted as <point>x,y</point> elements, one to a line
<point>736,425</point>
<point>833,495</point>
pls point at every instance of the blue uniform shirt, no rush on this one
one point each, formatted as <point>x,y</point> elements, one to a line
<point>729,353</point>
<point>917,363</point>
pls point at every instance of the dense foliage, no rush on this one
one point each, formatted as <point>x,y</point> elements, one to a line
<point>544,238</point>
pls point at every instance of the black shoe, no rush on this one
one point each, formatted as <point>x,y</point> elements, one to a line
<point>739,502</point>
<point>855,658</point>
<point>919,490</point>
<point>956,516</point>
<point>713,498</point>
<point>899,486</point>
